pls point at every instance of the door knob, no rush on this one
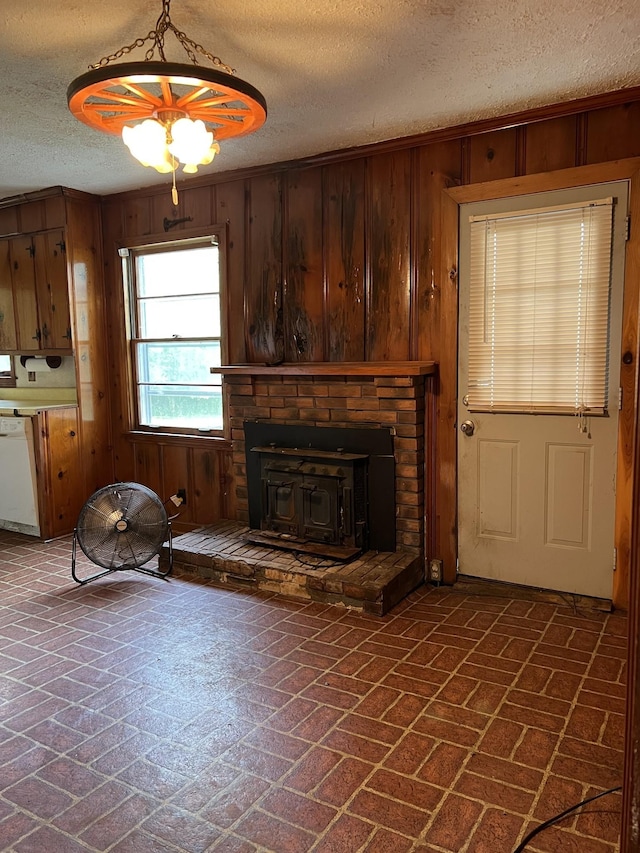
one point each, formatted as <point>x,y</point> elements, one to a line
<point>467,427</point>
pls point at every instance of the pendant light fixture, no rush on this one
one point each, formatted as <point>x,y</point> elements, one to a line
<point>169,114</point>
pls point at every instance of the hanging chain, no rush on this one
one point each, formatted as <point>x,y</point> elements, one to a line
<point>156,36</point>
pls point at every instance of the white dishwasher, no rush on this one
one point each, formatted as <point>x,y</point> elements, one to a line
<point>18,491</point>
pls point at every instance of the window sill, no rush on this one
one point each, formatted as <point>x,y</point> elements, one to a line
<point>185,439</point>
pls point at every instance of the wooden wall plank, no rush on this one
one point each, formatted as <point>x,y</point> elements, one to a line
<point>263,283</point>
<point>303,295</point>
<point>438,166</point>
<point>230,209</point>
<point>389,264</point>
<point>119,354</point>
<point>137,217</point>
<point>177,474</point>
<point>344,259</point>
<point>209,484</point>
<point>492,156</point>
<point>613,133</point>
<point>551,145</point>
<point>161,209</point>
<point>148,466</point>
<point>195,206</point>
<point>199,204</point>
<point>88,305</point>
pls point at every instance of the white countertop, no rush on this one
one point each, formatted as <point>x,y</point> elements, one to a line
<point>28,401</point>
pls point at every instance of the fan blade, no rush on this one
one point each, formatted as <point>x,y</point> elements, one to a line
<point>94,516</point>
<point>140,549</point>
<point>107,502</point>
<point>137,501</point>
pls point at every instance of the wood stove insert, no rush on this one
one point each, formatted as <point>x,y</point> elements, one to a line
<point>312,499</point>
<point>321,490</point>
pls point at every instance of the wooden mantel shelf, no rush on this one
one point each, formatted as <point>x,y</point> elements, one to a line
<point>331,368</point>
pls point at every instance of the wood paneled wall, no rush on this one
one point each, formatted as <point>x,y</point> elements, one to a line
<point>343,258</point>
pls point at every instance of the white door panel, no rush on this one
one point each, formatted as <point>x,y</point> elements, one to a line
<point>497,498</point>
<point>568,495</point>
<point>536,493</point>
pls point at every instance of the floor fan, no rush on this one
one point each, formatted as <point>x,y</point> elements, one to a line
<point>121,527</point>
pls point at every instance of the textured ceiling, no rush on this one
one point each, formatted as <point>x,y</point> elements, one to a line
<point>335,74</point>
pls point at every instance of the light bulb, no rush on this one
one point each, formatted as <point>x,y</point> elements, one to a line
<point>148,144</point>
<point>192,168</point>
<point>192,143</point>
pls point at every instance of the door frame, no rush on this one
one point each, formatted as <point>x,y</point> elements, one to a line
<point>626,592</point>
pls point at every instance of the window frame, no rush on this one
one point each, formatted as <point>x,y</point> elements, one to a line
<point>215,234</point>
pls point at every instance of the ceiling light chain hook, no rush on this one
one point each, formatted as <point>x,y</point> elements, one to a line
<point>162,25</point>
<point>156,36</point>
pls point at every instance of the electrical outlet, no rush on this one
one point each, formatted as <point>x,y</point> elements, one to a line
<point>182,494</point>
<point>435,571</point>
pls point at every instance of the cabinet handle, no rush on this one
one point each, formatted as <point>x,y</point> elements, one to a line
<point>45,331</point>
<point>68,334</point>
<point>37,335</point>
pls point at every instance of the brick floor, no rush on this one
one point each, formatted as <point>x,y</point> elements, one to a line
<point>140,715</point>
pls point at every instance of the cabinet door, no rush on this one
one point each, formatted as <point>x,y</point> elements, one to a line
<point>24,293</point>
<point>52,290</point>
<point>8,340</point>
<point>60,474</point>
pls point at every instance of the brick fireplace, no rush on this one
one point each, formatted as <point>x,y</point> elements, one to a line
<point>396,396</point>
<point>396,401</point>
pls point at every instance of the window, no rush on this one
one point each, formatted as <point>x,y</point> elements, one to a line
<point>176,335</point>
<point>539,309</point>
<point>7,376</point>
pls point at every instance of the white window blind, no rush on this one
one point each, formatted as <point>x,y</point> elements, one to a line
<point>539,310</point>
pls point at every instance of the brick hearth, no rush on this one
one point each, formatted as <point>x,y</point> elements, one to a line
<point>374,582</point>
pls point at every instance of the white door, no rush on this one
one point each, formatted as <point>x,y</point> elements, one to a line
<point>536,482</point>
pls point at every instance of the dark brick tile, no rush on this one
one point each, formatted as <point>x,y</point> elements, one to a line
<point>348,833</point>
<point>454,822</point>
<point>498,830</point>
<point>271,833</point>
<point>342,783</point>
<point>302,811</point>
<point>389,813</point>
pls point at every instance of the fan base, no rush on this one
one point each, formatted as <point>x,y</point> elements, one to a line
<point>156,573</point>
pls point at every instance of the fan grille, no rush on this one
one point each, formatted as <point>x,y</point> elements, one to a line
<point>122,526</point>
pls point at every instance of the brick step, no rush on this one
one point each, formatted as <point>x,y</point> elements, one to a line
<point>373,582</point>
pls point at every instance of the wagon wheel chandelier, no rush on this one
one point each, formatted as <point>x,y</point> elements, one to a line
<point>168,113</point>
